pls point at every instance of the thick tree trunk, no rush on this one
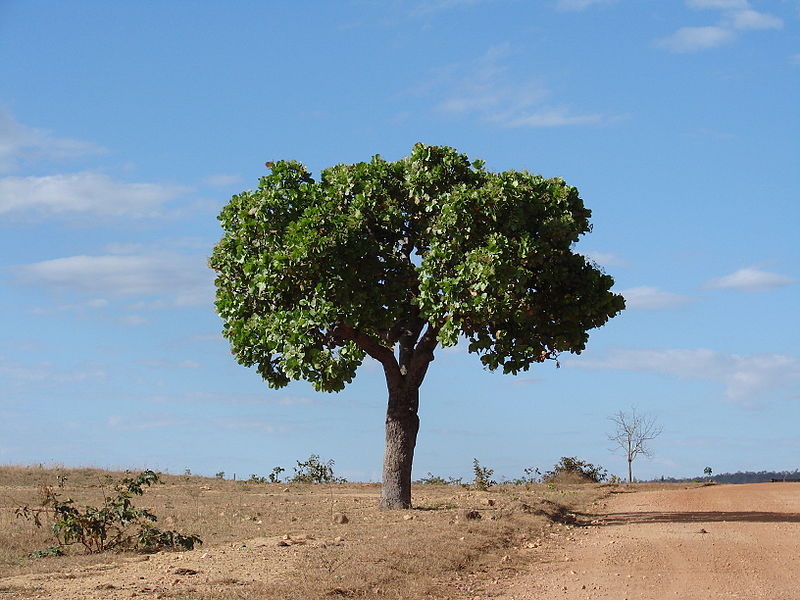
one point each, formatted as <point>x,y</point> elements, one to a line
<point>402,425</point>
<point>630,471</point>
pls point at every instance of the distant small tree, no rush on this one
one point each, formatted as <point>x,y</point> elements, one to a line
<point>707,471</point>
<point>632,432</point>
<point>483,475</point>
<point>275,476</point>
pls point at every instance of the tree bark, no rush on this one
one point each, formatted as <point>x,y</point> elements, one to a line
<point>402,425</point>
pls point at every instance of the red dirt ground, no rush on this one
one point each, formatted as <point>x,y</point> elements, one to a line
<point>714,542</point>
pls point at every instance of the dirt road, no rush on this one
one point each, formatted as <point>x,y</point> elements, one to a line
<point>721,542</point>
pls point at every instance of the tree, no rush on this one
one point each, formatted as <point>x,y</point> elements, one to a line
<point>631,433</point>
<point>392,259</point>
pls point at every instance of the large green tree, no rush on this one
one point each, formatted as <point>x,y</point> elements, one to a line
<point>392,259</point>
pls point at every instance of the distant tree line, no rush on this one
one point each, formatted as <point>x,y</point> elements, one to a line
<point>738,477</point>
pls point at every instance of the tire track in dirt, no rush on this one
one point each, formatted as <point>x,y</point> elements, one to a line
<point>702,543</point>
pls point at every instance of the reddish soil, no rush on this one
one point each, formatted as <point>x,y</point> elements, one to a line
<point>721,542</point>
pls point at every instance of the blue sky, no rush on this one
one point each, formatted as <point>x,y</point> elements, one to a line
<point>126,126</point>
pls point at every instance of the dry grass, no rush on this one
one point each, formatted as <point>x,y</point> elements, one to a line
<point>427,552</point>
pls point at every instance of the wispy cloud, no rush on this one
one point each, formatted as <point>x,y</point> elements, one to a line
<point>735,16</point>
<point>426,7</point>
<point>49,373</point>
<point>89,305</point>
<point>651,298</point>
<point>96,308</point>
<point>87,193</point>
<point>264,398</point>
<point>748,20</point>
<point>718,4</point>
<point>221,180</point>
<point>169,364</point>
<point>19,144</point>
<point>489,90</point>
<point>605,259</point>
<point>254,424</point>
<point>184,279</point>
<point>694,39</point>
<point>751,279</point>
<point>579,5</point>
<point>745,377</point>
<point>146,422</point>
<point>556,117</point>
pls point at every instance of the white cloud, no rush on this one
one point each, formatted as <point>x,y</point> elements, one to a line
<point>578,5</point>
<point>693,39</point>
<point>19,143</point>
<point>169,364</point>
<point>744,378</point>
<point>555,117</point>
<point>146,422</point>
<point>520,381</point>
<point>49,373</point>
<point>254,424</point>
<point>751,279</point>
<point>735,16</point>
<point>718,4</point>
<point>94,308</point>
<point>221,179</point>
<point>487,90</point>
<point>132,320</point>
<point>94,304</point>
<point>651,298</point>
<point>87,193</point>
<point>186,280</point>
<point>605,259</point>
<point>266,397</point>
<point>752,20</point>
<point>430,6</point>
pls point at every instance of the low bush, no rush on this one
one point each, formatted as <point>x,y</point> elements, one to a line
<point>483,476</point>
<point>431,479</point>
<point>116,524</point>
<point>573,470</point>
<point>314,470</point>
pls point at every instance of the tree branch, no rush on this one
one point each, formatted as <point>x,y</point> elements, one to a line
<point>371,346</point>
<point>423,355</point>
<point>408,341</point>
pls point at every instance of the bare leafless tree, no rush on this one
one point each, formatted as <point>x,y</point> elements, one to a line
<point>632,431</point>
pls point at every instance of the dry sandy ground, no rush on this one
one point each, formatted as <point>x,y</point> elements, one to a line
<point>721,542</point>
<point>163,574</point>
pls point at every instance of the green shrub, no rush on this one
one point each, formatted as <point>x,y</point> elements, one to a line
<point>49,551</point>
<point>314,470</point>
<point>431,479</point>
<point>483,475</point>
<point>116,524</point>
<point>275,476</point>
<point>530,476</point>
<point>573,470</point>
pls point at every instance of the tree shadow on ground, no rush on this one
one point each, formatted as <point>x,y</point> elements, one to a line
<point>697,517</point>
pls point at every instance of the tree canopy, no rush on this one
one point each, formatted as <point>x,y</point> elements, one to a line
<point>313,275</point>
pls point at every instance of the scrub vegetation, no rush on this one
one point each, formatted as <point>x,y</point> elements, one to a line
<point>293,540</point>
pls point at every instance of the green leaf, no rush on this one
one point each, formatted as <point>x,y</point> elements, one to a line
<point>376,245</point>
